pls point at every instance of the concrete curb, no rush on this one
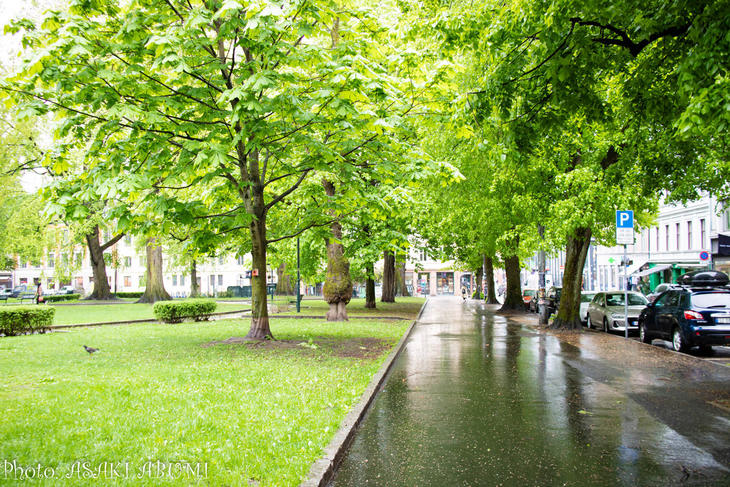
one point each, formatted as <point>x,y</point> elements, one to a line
<point>133,322</point>
<point>323,469</point>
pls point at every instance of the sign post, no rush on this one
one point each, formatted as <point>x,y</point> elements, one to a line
<point>625,236</point>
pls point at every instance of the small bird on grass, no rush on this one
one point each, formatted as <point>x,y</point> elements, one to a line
<point>90,350</point>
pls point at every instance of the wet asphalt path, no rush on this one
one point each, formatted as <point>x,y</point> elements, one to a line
<point>480,399</point>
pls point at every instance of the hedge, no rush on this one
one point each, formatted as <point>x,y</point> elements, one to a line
<point>50,298</point>
<point>176,311</point>
<point>131,294</point>
<point>24,319</point>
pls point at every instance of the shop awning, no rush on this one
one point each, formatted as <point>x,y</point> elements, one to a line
<point>656,268</point>
<point>635,267</point>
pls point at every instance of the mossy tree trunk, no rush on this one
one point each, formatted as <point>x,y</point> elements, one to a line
<point>490,293</point>
<point>568,315</point>
<point>98,266</point>
<point>478,279</point>
<point>155,286</point>
<point>370,286</point>
<point>337,288</point>
<point>388,295</point>
<point>194,287</point>
<point>400,276</point>
<point>284,281</point>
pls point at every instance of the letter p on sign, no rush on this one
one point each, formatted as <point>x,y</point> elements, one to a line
<point>624,219</point>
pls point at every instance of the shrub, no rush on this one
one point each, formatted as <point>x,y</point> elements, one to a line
<point>176,311</point>
<point>131,294</point>
<point>23,319</point>
<point>52,298</point>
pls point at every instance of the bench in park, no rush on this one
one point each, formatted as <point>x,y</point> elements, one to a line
<point>28,296</point>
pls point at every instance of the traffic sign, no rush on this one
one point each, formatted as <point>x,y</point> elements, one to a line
<point>624,227</point>
<point>704,255</point>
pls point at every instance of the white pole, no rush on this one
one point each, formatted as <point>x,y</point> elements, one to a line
<point>626,296</point>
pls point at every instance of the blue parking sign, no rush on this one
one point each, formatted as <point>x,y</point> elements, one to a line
<point>624,219</point>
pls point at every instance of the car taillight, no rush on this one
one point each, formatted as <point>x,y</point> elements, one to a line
<point>693,315</point>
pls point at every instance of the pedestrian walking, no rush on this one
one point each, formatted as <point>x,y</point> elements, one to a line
<point>463,292</point>
<point>38,294</point>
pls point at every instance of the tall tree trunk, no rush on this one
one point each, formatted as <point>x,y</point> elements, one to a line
<point>400,276</point>
<point>490,293</point>
<point>194,288</point>
<point>260,327</point>
<point>337,288</point>
<point>284,279</point>
<point>370,286</point>
<point>155,287</point>
<point>388,295</point>
<point>513,296</point>
<point>98,266</point>
<point>568,316</point>
<point>478,278</point>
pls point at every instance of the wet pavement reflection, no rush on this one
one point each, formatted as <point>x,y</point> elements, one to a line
<point>480,399</point>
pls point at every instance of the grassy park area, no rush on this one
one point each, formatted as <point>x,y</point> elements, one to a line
<point>197,394</point>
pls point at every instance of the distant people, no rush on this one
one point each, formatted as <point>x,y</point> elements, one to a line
<point>463,293</point>
<point>38,294</point>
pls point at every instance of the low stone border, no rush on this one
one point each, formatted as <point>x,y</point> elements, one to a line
<point>132,322</point>
<point>323,469</point>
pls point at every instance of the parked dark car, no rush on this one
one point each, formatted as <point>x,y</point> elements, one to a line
<point>659,290</point>
<point>552,299</point>
<point>18,290</point>
<point>695,313</point>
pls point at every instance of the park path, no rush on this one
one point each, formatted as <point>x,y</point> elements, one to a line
<point>476,398</point>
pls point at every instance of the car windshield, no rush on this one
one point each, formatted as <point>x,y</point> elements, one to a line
<point>711,300</point>
<point>586,297</point>
<point>618,300</point>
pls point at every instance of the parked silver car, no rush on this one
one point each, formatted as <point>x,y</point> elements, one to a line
<point>607,310</point>
<point>585,299</point>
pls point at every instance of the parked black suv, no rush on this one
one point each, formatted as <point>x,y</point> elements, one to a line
<point>694,313</point>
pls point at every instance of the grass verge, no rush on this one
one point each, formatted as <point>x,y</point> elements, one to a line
<point>403,307</point>
<point>102,313</point>
<point>249,414</point>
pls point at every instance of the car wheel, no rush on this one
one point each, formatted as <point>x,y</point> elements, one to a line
<point>677,340</point>
<point>605,325</point>
<point>643,335</point>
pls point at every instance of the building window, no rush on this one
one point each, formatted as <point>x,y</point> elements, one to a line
<point>127,281</point>
<point>676,234</point>
<point>657,239</point>
<point>128,239</point>
<point>77,259</point>
<point>127,262</point>
<point>689,235</point>
<point>702,234</point>
<point>142,261</point>
<point>212,280</point>
<point>666,238</point>
<point>220,260</point>
<point>51,260</point>
<point>240,260</point>
<point>423,255</point>
<point>174,279</point>
<point>141,281</point>
<point>182,279</point>
<point>220,279</point>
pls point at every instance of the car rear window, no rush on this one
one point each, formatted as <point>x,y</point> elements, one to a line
<point>586,298</point>
<point>618,300</point>
<point>720,299</point>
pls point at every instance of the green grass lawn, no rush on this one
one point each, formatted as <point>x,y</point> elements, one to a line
<point>100,313</point>
<point>249,414</point>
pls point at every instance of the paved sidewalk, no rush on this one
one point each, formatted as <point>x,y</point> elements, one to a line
<point>481,399</point>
